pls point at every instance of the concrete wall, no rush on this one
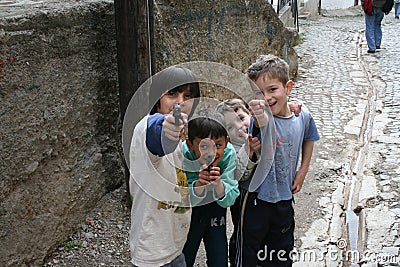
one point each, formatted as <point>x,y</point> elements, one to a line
<point>59,151</point>
<point>306,8</point>
<point>309,6</point>
<point>286,16</point>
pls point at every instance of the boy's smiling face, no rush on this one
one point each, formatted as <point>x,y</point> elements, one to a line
<point>275,94</point>
<point>208,146</point>
<point>244,117</point>
<point>235,127</point>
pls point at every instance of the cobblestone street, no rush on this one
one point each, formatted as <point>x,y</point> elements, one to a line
<point>349,93</point>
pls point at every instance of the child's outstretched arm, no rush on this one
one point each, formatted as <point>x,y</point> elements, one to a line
<point>162,135</point>
<point>307,150</point>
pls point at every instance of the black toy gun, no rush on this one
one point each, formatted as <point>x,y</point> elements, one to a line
<point>209,160</point>
<point>177,113</point>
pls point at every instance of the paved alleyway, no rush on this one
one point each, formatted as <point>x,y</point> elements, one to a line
<point>383,213</point>
<point>336,4</point>
<point>338,82</point>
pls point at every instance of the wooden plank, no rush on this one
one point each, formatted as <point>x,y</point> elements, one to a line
<point>134,24</point>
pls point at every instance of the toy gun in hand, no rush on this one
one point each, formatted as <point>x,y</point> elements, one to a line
<point>209,160</point>
<point>177,113</point>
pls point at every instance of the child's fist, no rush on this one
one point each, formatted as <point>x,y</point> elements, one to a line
<point>295,107</point>
<point>174,132</point>
<point>255,144</point>
<point>257,108</point>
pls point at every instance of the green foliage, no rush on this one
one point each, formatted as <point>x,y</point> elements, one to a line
<point>68,245</point>
<point>301,38</point>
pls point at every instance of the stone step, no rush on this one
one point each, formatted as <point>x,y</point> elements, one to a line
<point>304,15</point>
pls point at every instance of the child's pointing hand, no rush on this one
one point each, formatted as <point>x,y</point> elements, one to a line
<point>172,131</point>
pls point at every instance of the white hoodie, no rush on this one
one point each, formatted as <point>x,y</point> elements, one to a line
<point>159,222</point>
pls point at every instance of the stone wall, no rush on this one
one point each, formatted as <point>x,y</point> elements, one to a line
<point>59,105</point>
<point>59,141</point>
<point>229,32</point>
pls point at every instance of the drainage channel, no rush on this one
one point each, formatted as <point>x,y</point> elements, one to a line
<point>354,171</point>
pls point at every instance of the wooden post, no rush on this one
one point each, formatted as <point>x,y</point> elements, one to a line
<point>135,38</point>
<point>319,7</point>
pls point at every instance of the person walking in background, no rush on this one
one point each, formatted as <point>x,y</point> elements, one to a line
<point>373,25</point>
<point>396,9</point>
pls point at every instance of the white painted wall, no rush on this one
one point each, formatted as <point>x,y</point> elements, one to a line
<point>337,4</point>
<point>310,6</point>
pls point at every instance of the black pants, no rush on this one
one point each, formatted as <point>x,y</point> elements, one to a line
<point>208,223</point>
<point>235,214</point>
<point>267,233</point>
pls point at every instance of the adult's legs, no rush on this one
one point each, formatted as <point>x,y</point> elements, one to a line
<point>378,26</point>
<point>370,31</point>
<point>397,10</point>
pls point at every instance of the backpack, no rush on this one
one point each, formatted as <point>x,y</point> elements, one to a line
<point>367,7</point>
<point>388,6</point>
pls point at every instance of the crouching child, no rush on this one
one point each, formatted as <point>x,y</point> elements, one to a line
<point>209,163</point>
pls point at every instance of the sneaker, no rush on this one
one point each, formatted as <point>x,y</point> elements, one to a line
<point>396,17</point>
<point>378,47</point>
<point>371,51</point>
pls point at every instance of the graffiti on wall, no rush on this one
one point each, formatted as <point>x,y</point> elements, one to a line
<point>242,19</point>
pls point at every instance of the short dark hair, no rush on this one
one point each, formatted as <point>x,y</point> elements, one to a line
<point>175,79</point>
<point>206,123</point>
